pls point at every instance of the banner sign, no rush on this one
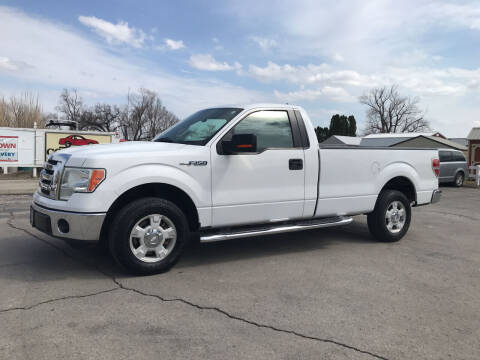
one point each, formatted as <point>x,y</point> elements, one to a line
<point>57,141</point>
<point>8,148</point>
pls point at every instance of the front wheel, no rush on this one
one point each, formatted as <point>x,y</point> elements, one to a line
<point>148,236</point>
<point>391,217</point>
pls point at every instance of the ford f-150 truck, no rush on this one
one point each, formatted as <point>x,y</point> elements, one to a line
<point>225,173</point>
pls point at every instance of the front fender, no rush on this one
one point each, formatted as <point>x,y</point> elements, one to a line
<point>194,182</point>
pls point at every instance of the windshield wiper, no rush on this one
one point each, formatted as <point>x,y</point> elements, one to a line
<point>164,139</point>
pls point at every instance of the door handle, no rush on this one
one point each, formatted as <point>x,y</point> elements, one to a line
<point>295,164</point>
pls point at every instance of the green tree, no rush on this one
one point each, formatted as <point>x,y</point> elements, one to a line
<point>341,125</point>
<point>322,133</point>
<point>352,126</point>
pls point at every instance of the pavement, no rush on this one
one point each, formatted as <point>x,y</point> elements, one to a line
<point>323,294</point>
<point>18,186</point>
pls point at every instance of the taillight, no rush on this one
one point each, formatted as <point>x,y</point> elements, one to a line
<point>436,167</point>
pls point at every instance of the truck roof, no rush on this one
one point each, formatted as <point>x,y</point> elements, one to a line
<point>261,105</point>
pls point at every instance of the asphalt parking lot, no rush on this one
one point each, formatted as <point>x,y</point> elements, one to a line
<point>323,294</point>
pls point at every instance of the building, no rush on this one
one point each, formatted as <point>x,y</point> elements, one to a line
<point>342,140</point>
<point>461,141</point>
<point>474,146</point>
<point>431,142</point>
<point>414,140</point>
<point>391,139</point>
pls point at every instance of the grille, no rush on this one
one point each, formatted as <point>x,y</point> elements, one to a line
<point>50,177</point>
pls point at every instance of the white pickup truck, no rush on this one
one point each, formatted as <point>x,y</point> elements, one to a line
<point>225,173</point>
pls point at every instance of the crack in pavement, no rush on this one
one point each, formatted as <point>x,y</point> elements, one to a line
<point>120,286</point>
<point>58,299</point>
<point>254,323</point>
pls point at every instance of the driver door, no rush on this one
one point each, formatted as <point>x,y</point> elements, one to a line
<point>262,186</point>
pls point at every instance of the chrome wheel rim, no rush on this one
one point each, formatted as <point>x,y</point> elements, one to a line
<point>395,217</point>
<point>153,238</point>
<point>459,180</point>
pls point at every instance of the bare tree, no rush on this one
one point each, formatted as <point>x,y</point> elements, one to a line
<point>389,112</point>
<point>102,117</point>
<point>70,104</point>
<point>145,116</point>
<point>22,112</point>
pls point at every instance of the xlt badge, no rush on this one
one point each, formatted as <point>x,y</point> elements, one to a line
<point>195,163</point>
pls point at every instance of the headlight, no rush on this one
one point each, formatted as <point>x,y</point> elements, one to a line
<point>78,180</point>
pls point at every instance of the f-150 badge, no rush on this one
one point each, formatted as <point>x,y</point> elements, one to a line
<point>195,163</point>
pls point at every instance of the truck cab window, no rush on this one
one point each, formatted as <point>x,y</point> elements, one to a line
<point>272,129</point>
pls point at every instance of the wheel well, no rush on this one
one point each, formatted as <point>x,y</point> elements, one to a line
<point>404,185</point>
<point>165,191</point>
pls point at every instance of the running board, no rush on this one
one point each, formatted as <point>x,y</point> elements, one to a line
<point>271,229</point>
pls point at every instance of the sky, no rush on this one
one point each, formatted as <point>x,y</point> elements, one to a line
<point>319,54</point>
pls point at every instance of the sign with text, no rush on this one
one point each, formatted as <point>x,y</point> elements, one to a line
<point>8,148</point>
<point>57,141</point>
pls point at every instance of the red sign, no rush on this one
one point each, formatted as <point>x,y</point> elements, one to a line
<point>8,148</point>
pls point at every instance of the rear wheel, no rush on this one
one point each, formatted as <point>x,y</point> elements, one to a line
<point>459,179</point>
<point>148,236</point>
<point>391,217</point>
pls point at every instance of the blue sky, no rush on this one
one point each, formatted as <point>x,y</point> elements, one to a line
<point>318,54</point>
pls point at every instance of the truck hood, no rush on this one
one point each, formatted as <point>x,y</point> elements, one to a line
<point>143,151</point>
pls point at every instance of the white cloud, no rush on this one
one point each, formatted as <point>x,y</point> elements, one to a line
<point>327,92</point>
<point>264,43</point>
<point>294,96</point>
<point>338,58</point>
<point>308,74</point>
<point>174,44</point>
<point>115,33</point>
<point>463,15</point>
<point>338,94</point>
<point>7,64</point>
<point>369,34</point>
<point>208,63</point>
<point>72,60</point>
<point>419,80</point>
<point>439,82</point>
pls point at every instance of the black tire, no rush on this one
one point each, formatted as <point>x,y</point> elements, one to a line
<point>459,179</point>
<point>377,222</point>
<point>122,225</point>
<point>68,144</point>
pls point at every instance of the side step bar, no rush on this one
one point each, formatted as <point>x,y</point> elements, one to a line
<point>271,229</point>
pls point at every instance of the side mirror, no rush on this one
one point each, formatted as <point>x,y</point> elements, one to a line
<point>240,143</point>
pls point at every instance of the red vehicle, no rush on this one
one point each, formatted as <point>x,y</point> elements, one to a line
<point>76,140</point>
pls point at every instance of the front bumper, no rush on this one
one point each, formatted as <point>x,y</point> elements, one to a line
<point>437,194</point>
<point>81,226</point>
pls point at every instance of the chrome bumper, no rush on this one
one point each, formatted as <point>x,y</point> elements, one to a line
<point>81,226</point>
<point>437,194</point>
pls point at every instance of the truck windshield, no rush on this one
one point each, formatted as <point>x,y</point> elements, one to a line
<point>199,128</point>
